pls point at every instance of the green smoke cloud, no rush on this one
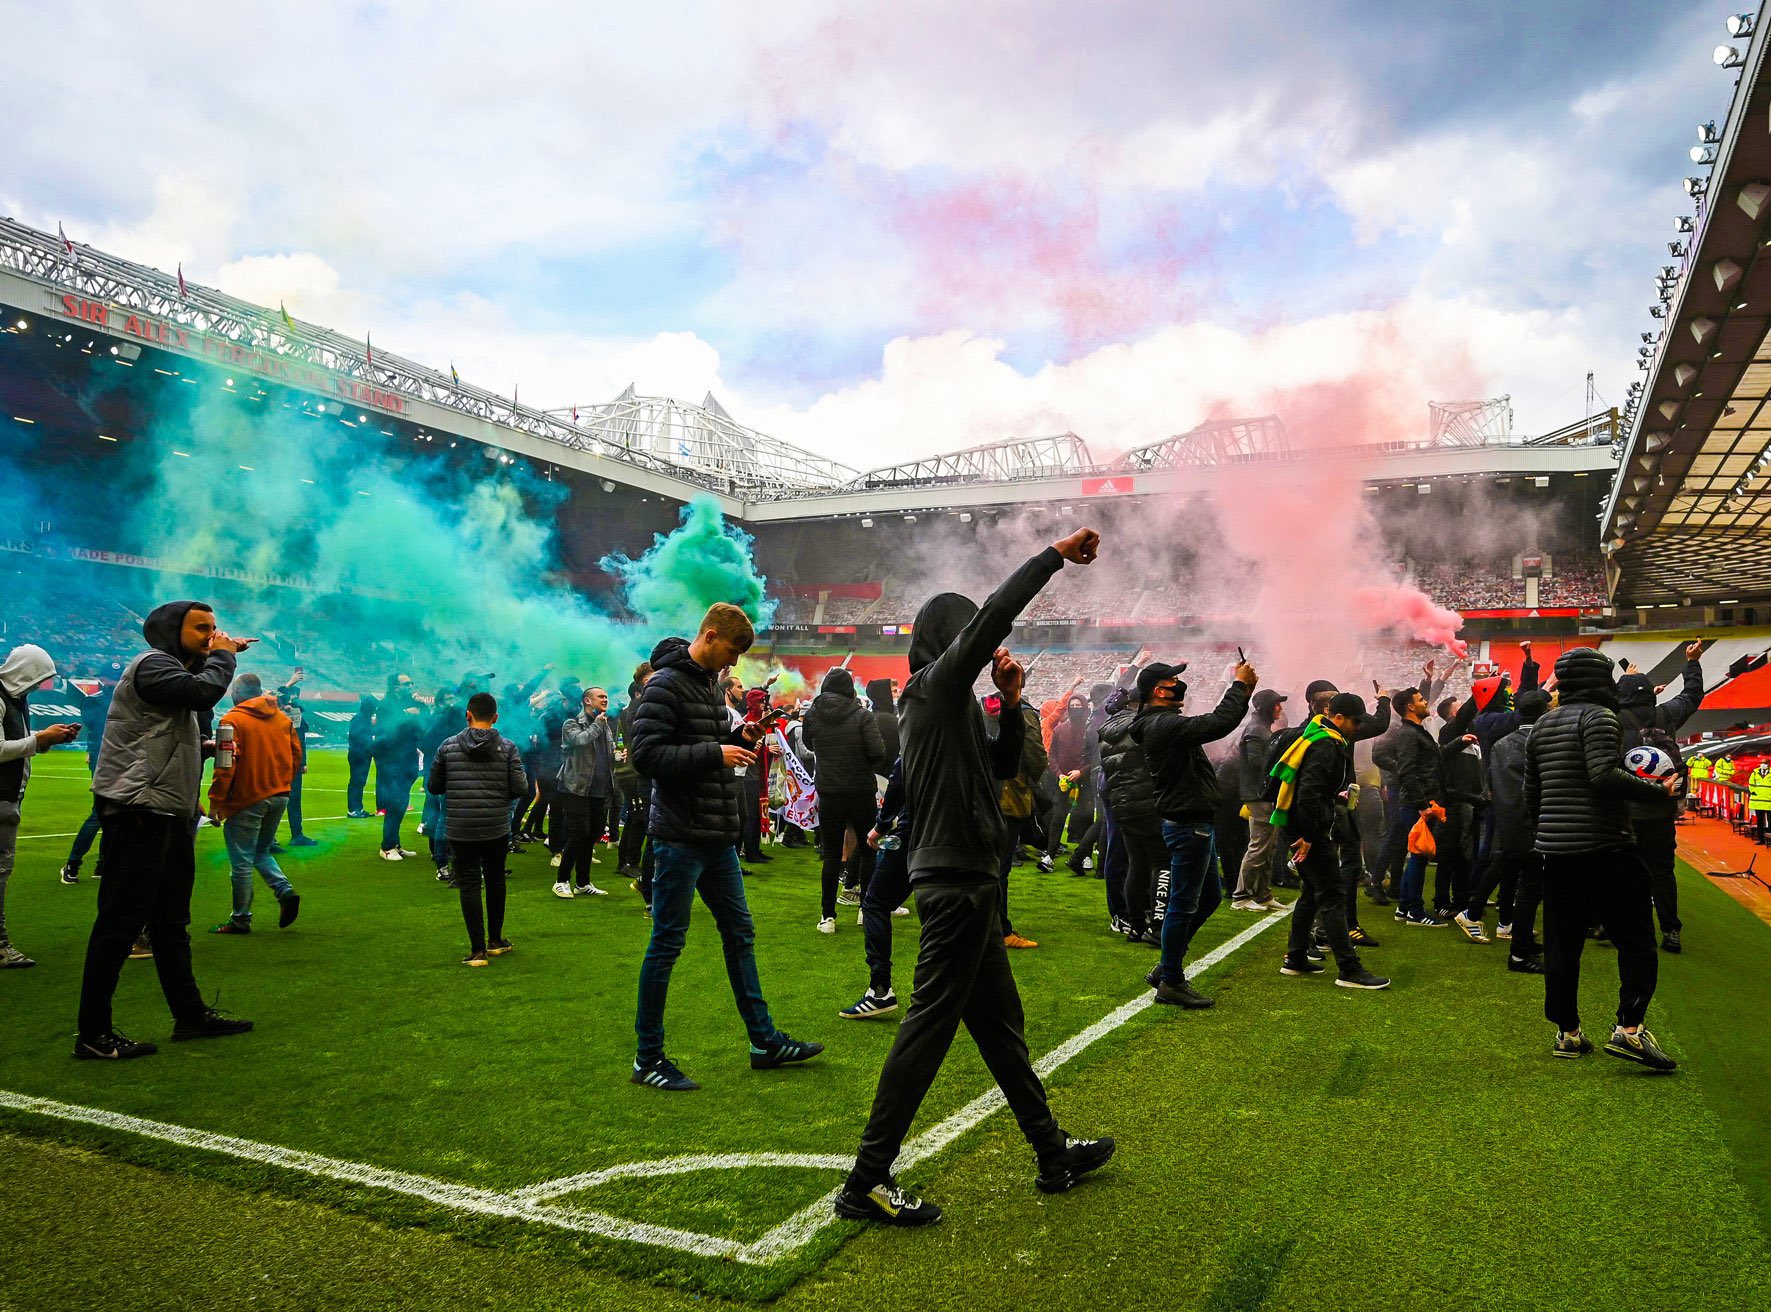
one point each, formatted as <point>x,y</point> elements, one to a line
<point>703,561</point>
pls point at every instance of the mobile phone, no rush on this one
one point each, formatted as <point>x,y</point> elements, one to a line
<point>1240,658</point>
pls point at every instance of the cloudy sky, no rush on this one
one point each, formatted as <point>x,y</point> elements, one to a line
<point>882,230</point>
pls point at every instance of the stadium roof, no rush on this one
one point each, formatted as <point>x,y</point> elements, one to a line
<point>1687,519</point>
<point>676,449</point>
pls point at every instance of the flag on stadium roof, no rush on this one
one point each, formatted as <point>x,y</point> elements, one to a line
<point>369,349</point>
<point>287,321</point>
<point>67,245</point>
<point>574,412</point>
<point>453,374</point>
<point>181,286</point>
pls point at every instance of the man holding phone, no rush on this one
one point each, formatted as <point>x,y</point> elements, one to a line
<point>684,742</point>
<point>25,667</point>
<point>147,785</point>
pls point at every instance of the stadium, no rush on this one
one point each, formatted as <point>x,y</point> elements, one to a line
<point>399,1132</point>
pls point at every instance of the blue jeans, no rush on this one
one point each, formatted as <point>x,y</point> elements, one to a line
<point>1190,902</point>
<point>248,835</point>
<point>436,827</point>
<point>393,796</point>
<point>1414,876</point>
<point>1113,859</point>
<point>680,870</point>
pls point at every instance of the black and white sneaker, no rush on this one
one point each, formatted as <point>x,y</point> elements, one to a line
<point>111,1047</point>
<point>1363,979</point>
<point>887,1203</point>
<point>1119,925</point>
<point>784,1051</point>
<point>1570,1044</point>
<point>1300,966</point>
<point>211,1024</point>
<point>1080,1156</point>
<point>1524,965</point>
<point>869,1006</point>
<point>70,873</point>
<point>661,1073</point>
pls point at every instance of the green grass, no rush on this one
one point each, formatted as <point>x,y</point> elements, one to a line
<point>1299,1146</point>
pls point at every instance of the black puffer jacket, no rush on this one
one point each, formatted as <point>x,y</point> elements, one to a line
<point>679,726</point>
<point>1174,746</point>
<point>845,739</point>
<point>1131,792</point>
<point>1576,789</point>
<point>480,774</point>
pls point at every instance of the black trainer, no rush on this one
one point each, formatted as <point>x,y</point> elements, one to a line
<point>1524,965</point>
<point>211,1024</point>
<point>1080,1156</point>
<point>1360,939</point>
<point>784,1051</point>
<point>290,907</point>
<point>1671,942</point>
<point>887,1203</point>
<point>1300,966</point>
<point>661,1073</point>
<point>1363,979</point>
<point>111,1047</point>
<point>1183,995</point>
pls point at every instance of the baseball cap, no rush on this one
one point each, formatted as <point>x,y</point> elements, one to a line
<point>1266,699</point>
<point>1151,675</point>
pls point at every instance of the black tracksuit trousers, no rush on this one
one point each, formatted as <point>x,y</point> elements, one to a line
<point>962,975</point>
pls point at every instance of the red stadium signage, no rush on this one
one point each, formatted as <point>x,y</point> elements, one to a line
<point>1108,487</point>
<point>224,351</point>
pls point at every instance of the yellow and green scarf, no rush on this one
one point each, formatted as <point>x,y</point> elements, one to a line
<point>1286,769</point>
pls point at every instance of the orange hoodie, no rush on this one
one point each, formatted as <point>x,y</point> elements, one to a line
<point>264,758</point>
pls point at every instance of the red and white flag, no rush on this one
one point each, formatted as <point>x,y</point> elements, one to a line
<point>181,287</point>
<point>66,245</point>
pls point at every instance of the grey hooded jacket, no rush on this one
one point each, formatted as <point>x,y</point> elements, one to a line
<point>25,667</point>
<point>151,758</point>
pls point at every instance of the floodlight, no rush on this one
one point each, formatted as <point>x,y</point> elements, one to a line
<point>1728,57</point>
<point>1703,154</point>
<point>1696,186</point>
<point>1687,223</point>
<point>1706,132</point>
<point>1658,311</point>
<point>608,486</point>
<point>866,523</point>
<point>1741,25</point>
<point>1676,249</point>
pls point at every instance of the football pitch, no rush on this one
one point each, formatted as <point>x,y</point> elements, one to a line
<point>401,1132</point>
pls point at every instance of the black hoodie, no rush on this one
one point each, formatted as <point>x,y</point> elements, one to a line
<point>885,715</point>
<point>679,726</point>
<point>360,735</point>
<point>957,832</point>
<point>844,740</point>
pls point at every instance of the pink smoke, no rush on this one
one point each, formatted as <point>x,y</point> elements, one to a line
<point>1404,608</point>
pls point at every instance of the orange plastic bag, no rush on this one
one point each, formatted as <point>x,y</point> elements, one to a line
<point>1420,838</point>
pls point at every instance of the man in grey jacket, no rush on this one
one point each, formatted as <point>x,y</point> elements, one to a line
<point>1254,880</point>
<point>147,785</point>
<point>586,782</point>
<point>25,667</point>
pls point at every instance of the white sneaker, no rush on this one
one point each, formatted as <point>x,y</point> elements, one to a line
<point>827,925</point>
<point>1246,904</point>
<point>391,854</point>
<point>595,860</point>
<point>406,852</point>
<point>1504,932</point>
<point>1271,904</point>
<point>591,890</point>
<point>421,830</point>
<point>901,911</point>
<point>860,917</point>
<point>1471,927</point>
<point>1088,863</point>
<point>562,889</point>
<point>558,857</point>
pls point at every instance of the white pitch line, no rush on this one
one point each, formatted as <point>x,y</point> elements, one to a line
<point>465,1198</point>
<point>528,1203</point>
<point>800,1228</point>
